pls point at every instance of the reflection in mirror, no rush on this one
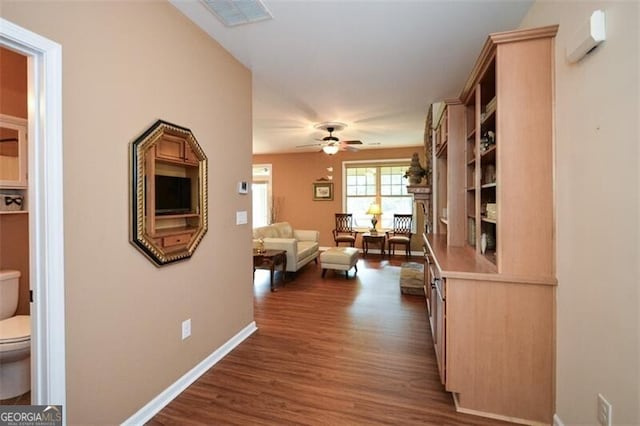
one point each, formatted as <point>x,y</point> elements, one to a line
<point>169,193</point>
<point>9,154</point>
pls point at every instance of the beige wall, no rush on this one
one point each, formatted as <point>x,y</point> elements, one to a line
<point>597,162</point>
<point>126,64</point>
<point>14,229</point>
<point>294,174</point>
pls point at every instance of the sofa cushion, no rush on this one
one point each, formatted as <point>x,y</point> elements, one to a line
<point>265,232</point>
<point>283,229</point>
<point>307,248</point>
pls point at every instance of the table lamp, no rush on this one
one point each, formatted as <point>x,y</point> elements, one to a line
<point>374,209</point>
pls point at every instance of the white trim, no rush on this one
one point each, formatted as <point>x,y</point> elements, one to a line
<point>344,173</point>
<point>557,421</point>
<point>154,406</point>
<point>46,230</point>
<point>479,413</point>
<point>385,162</point>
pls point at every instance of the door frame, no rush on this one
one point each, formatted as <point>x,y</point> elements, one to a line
<point>45,204</point>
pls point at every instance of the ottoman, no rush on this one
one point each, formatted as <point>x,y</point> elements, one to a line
<point>339,259</point>
<point>412,278</point>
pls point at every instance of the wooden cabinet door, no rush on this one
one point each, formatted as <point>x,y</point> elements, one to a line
<point>428,276</point>
<point>171,148</point>
<point>438,325</point>
<point>189,155</point>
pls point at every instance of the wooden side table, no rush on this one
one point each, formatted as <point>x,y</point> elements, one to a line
<point>375,239</point>
<point>269,260</point>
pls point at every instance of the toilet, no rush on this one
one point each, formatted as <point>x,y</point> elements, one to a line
<point>15,340</point>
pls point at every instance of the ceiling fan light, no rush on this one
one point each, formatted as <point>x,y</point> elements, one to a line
<point>330,149</point>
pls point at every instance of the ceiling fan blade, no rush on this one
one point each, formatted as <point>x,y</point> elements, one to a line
<point>352,142</point>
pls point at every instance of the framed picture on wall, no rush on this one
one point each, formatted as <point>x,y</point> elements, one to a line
<point>322,191</point>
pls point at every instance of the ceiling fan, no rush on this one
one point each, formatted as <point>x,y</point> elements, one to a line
<point>331,144</point>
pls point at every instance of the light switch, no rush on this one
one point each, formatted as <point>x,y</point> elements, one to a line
<point>186,328</point>
<point>241,217</point>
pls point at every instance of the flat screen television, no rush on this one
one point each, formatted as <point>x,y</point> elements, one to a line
<point>173,195</point>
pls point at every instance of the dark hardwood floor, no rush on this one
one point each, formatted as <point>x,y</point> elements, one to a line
<point>24,399</point>
<point>327,352</point>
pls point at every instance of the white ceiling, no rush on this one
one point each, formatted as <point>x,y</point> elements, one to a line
<point>374,65</point>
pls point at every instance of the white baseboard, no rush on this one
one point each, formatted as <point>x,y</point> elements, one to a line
<point>478,413</point>
<point>154,406</point>
<point>557,421</point>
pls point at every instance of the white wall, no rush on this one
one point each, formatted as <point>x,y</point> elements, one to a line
<point>597,192</point>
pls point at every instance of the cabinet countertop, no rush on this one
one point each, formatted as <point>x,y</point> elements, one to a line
<point>465,263</point>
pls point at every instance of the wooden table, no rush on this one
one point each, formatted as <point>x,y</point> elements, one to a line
<point>375,239</point>
<point>269,259</point>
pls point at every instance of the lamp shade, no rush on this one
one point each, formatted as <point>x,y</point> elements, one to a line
<point>330,149</point>
<point>374,209</point>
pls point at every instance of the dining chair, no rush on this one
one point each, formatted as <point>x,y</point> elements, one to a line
<point>344,232</point>
<point>400,234</point>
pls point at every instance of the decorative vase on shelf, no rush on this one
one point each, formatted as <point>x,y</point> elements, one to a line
<point>483,243</point>
<point>415,173</point>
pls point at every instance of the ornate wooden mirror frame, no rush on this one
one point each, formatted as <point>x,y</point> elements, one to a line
<point>168,173</point>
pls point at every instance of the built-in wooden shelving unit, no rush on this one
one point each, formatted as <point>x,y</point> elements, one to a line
<point>490,272</point>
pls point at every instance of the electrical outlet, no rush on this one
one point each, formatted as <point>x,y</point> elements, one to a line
<point>604,411</point>
<point>186,328</point>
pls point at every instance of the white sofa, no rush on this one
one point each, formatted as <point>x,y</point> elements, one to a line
<point>302,246</point>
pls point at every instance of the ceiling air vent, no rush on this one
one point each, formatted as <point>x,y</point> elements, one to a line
<point>239,12</point>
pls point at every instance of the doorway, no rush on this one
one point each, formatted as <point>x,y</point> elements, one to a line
<point>44,200</point>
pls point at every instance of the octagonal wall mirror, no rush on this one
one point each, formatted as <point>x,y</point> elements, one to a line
<point>168,193</point>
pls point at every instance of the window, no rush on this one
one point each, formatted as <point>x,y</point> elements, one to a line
<point>260,204</point>
<point>261,194</point>
<point>382,183</point>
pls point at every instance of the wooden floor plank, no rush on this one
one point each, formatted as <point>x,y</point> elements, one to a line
<point>328,351</point>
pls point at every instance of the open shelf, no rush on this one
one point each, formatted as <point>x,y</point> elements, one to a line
<point>181,163</point>
<point>444,220</point>
<point>488,185</point>
<point>487,220</point>
<point>177,216</point>
<point>489,115</point>
<point>489,155</point>
<point>165,232</point>
<point>490,255</point>
<point>472,133</point>
<point>442,149</point>
<point>15,212</point>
